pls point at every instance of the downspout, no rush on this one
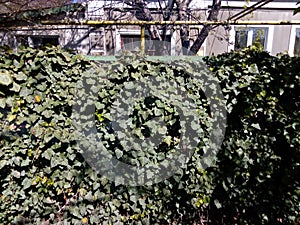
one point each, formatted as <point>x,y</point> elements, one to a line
<point>143,39</point>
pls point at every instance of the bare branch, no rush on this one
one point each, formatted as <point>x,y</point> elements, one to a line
<point>144,13</point>
<point>14,6</point>
<point>213,16</point>
<point>183,14</point>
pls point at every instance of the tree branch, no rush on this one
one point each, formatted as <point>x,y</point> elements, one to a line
<point>183,14</point>
<point>144,13</point>
<point>213,16</point>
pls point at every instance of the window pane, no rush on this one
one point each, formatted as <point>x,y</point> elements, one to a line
<point>241,37</point>
<point>155,47</point>
<point>152,47</point>
<point>130,42</point>
<point>259,37</point>
<point>297,43</point>
<point>22,40</point>
<point>256,36</point>
<point>39,41</point>
<point>97,42</point>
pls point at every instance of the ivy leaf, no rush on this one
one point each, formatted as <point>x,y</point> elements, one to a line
<point>256,126</point>
<point>16,87</point>
<point>217,204</point>
<point>2,103</point>
<point>5,78</point>
<point>26,183</point>
<point>118,153</point>
<point>20,76</point>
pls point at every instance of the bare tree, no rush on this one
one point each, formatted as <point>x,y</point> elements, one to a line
<point>169,9</point>
<point>213,16</point>
<point>181,7</point>
<point>10,7</point>
<point>144,13</point>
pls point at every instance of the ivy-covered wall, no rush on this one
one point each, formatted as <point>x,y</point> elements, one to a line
<point>45,178</point>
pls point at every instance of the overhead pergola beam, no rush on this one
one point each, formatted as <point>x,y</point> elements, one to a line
<point>249,9</point>
<point>143,23</point>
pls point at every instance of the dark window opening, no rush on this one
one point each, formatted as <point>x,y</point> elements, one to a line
<point>37,41</point>
<point>241,37</point>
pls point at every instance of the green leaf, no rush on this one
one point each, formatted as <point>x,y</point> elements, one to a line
<point>26,183</point>
<point>297,10</point>
<point>256,125</point>
<point>2,103</point>
<point>25,92</point>
<point>119,153</point>
<point>20,76</point>
<point>217,204</point>
<point>16,87</point>
<point>16,173</point>
<point>5,78</point>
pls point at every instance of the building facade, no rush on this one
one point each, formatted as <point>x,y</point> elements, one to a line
<point>111,39</point>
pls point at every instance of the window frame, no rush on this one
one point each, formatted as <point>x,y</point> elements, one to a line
<point>269,38</point>
<point>135,32</point>
<point>31,40</point>
<point>94,49</point>
<point>95,9</point>
<point>292,39</point>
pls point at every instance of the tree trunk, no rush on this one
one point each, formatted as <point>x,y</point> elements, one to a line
<point>144,13</point>
<point>213,16</point>
<point>183,14</point>
<point>167,16</point>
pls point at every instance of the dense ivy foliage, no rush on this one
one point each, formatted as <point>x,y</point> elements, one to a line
<point>46,180</point>
<point>38,164</point>
<point>258,172</point>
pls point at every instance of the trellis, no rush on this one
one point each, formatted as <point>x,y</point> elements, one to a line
<point>142,24</point>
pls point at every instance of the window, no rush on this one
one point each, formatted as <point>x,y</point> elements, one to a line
<point>130,42</point>
<point>22,40</point>
<point>296,46</point>
<point>133,43</point>
<point>37,41</point>
<point>297,43</point>
<point>98,43</point>
<point>95,9</point>
<point>256,36</point>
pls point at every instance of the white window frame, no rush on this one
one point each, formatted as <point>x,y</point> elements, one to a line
<point>292,39</point>
<point>120,32</point>
<point>270,36</point>
<point>95,35</point>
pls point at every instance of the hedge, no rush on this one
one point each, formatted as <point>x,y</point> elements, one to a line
<point>258,170</point>
<point>46,177</point>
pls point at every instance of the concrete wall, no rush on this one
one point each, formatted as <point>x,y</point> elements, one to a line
<point>280,35</point>
<point>220,40</point>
